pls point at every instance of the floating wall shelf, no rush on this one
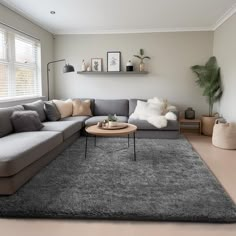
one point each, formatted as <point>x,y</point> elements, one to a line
<point>113,72</point>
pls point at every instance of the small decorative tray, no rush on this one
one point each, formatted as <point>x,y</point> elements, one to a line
<point>119,126</point>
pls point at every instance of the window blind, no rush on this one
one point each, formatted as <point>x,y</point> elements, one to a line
<point>20,69</point>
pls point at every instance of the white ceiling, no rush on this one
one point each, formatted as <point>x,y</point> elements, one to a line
<point>124,16</point>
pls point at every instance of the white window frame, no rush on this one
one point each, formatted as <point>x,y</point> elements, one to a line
<point>10,61</point>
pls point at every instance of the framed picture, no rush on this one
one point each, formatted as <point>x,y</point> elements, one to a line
<point>96,64</point>
<point>113,61</point>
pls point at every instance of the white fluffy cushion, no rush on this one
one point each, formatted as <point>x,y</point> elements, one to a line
<point>170,116</point>
<point>158,121</point>
<point>64,107</point>
<point>145,109</point>
<point>161,102</point>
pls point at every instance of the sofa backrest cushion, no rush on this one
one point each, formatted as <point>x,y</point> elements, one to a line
<point>37,106</point>
<point>5,121</point>
<point>133,104</point>
<point>120,107</point>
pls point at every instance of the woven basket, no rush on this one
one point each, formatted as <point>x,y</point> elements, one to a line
<point>224,135</point>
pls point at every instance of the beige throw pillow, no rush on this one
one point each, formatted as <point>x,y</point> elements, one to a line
<point>64,107</point>
<point>81,108</point>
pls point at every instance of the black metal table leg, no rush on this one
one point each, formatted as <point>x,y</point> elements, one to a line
<point>128,140</point>
<point>134,147</point>
<point>86,144</point>
<point>95,140</point>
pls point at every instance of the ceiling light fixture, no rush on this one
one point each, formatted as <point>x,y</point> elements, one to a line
<point>52,12</point>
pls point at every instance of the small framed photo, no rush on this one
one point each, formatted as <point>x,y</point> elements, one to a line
<point>96,64</point>
<point>114,61</point>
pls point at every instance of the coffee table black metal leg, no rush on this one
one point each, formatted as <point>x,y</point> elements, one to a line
<point>95,140</point>
<point>128,140</point>
<point>134,147</point>
<point>86,144</point>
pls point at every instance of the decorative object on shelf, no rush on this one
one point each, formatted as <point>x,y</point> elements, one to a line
<point>129,66</point>
<point>224,135</point>
<point>83,66</point>
<point>142,57</point>
<point>66,69</point>
<point>88,68</point>
<point>114,61</point>
<point>96,64</point>
<point>189,114</point>
<point>210,80</point>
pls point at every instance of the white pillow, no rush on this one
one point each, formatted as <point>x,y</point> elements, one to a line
<point>160,102</point>
<point>144,110</point>
<point>170,116</point>
<point>64,107</point>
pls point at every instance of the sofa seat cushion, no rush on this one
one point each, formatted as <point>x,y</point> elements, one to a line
<point>79,119</point>
<point>172,125</point>
<point>95,119</point>
<point>67,128</point>
<point>19,150</point>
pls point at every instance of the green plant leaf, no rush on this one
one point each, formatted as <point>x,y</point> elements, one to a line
<point>146,57</point>
<point>138,56</point>
<point>141,51</point>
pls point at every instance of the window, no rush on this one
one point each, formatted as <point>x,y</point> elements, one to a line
<point>20,68</point>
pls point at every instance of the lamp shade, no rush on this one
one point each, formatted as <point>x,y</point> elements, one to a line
<point>68,68</point>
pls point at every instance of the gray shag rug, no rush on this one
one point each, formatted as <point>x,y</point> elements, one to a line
<point>168,182</point>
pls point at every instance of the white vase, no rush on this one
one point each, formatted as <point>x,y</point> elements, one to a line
<point>89,68</point>
<point>141,66</point>
<point>112,123</point>
<point>83,66</point>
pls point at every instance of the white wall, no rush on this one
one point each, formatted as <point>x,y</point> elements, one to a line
<point>15,20</point>
<point>170,76</point>
<point>225,51</point>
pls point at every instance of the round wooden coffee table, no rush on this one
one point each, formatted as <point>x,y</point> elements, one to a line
<point>97,131</point>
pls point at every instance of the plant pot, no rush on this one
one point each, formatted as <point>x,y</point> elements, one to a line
<point>112,123</point>
<point>208,123</point>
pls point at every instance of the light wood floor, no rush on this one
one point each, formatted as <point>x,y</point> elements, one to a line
<point>221,162</point>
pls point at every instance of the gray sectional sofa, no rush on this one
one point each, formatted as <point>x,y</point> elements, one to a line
<point>23,154</point>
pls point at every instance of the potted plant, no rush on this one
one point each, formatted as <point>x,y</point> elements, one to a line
<point>112,120</point>
<point>210,80</point>
<point>141,57</point>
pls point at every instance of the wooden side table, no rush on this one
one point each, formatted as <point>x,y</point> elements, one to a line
<point>188,124</point>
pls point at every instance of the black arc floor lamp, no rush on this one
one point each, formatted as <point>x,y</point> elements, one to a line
<point>66,69</point>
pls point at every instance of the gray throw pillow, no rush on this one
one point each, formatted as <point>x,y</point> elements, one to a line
<point>51,111</point>
<point>37,106</point>
<point>24,121</point>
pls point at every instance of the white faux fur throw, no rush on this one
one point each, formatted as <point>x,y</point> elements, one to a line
<point>155,120</point>
<point>153,112</point>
